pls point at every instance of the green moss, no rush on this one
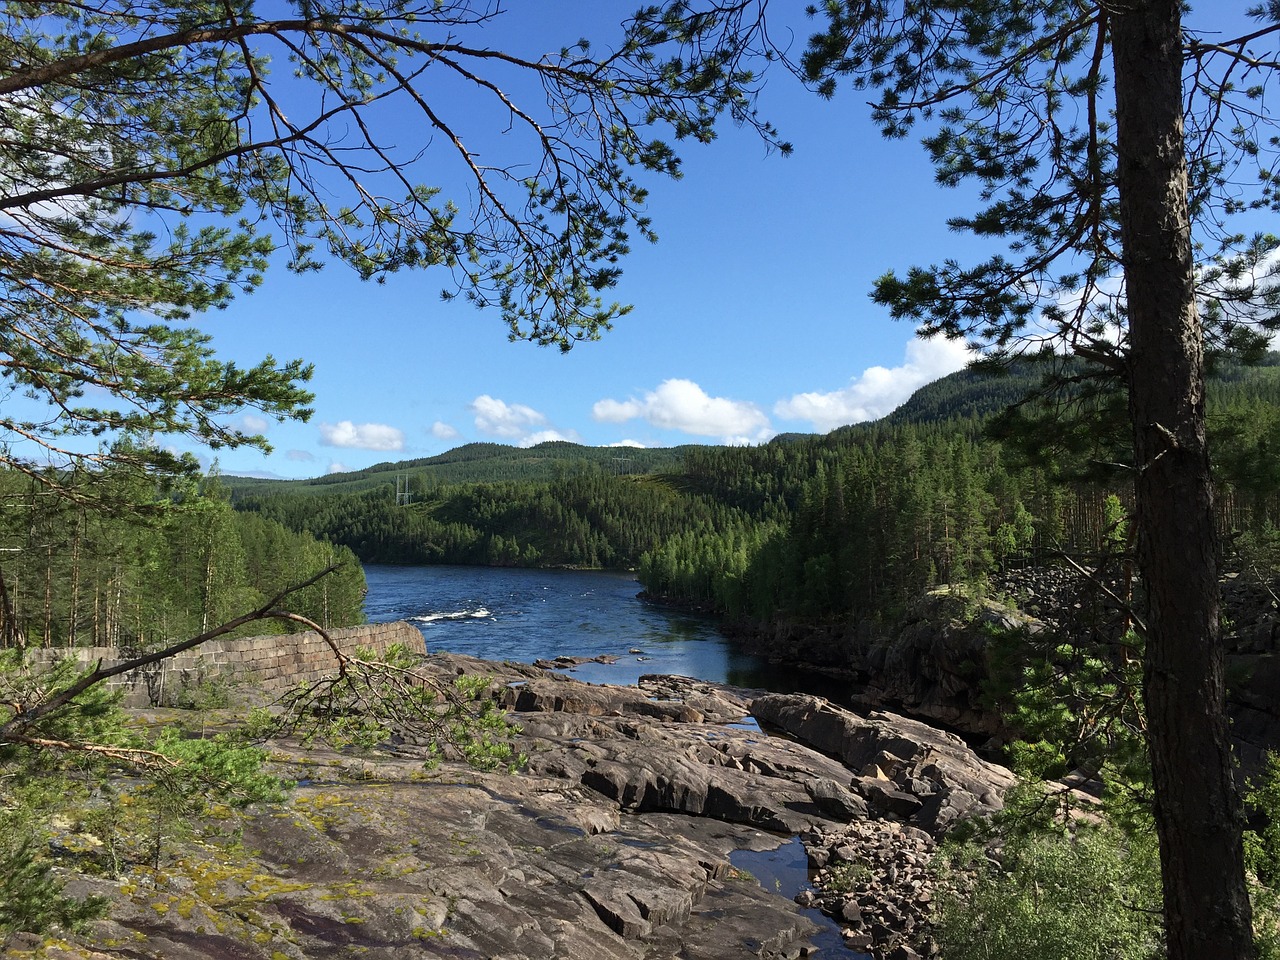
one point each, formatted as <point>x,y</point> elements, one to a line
<point>351,890</point>
<point>324,811</point>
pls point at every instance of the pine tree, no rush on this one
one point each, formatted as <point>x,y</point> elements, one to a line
<point>1109,143</point>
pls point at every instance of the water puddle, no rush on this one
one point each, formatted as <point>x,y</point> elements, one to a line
<point>785,871</point>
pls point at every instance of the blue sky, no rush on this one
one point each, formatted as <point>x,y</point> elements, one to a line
<point>751,314</point>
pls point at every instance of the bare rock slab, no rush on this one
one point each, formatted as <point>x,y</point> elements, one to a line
<point>613,842</point>
<point>910,770</point>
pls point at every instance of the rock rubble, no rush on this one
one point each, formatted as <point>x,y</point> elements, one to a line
<point>876,879</point>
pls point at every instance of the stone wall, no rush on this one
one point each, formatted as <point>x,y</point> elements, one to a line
<point>253,669</point>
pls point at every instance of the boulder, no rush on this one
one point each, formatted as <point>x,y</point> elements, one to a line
<point>937,778</point>
<point>836,801</point>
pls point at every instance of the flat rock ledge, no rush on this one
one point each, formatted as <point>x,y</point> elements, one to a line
<point>612,842</point>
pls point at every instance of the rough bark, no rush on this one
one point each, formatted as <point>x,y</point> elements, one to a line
<point>1198,811</point>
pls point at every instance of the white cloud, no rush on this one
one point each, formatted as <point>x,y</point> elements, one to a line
<point>879,390</point>
<point>252,423</point>
<point>336,467</point>
<point>626,443</point>
<point>301,456</point>
<point>442,431</point>
<point>615,411</point>
<point>361,436</point>
<point>683,405</point>
<point>501,419</point>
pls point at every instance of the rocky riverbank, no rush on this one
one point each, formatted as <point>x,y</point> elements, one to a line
<point>934,661</point>
<point>614,840</point>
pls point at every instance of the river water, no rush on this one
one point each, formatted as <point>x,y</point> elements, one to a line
<point>499,613</point>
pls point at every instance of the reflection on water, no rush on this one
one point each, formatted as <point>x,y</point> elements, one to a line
<point>784,870</point>
<point>525,615</point>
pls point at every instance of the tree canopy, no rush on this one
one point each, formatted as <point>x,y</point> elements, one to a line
<point>160,155</point>
<point>1019,100</point>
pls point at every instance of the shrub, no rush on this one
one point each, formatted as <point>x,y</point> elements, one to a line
<point>1090,892</point>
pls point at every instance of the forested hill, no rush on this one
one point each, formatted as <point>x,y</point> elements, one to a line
<point>479,463</point>
<point>981,393</point>
<point>787,528</point>
<point>965,394</point>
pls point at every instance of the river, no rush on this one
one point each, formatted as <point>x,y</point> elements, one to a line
<point>500,613</point>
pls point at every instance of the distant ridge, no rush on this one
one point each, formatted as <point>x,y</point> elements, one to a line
<point>965,395</point>
<point>982,393</point>
<point>959,395</point>
<point>480,463</point>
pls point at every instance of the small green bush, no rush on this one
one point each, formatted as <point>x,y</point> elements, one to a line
<point>1087,893</point>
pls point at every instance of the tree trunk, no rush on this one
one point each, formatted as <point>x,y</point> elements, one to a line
<point>1197,808</point>
<point>10,630</point>
<point>48,597</point>
<point>77,537</point>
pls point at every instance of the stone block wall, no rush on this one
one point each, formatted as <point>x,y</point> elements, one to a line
<point>253,669</point>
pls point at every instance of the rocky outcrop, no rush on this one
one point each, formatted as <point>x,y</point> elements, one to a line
<point>460,865</point>
<point>933,663</point>
<point>613,842</point>
<point>930,665</point>
<point>903,768</point>
<point>254,669</point>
